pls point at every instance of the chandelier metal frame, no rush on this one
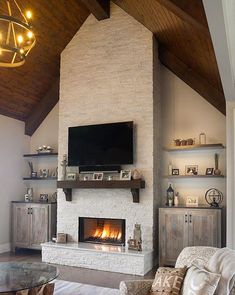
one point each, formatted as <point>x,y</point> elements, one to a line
<point>19,50</point>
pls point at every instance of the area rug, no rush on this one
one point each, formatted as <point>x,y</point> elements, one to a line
<point>71,288</point>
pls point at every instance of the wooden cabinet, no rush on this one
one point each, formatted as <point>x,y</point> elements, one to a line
<point>182,227</point>
<point>33,224</point>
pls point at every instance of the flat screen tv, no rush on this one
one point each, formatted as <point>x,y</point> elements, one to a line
<point>104,144</point>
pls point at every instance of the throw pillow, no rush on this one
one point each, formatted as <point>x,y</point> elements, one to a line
<point>199,281</point>
<point>168,281</point>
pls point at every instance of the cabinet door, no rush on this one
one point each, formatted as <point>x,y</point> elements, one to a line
<point>204,227</point>
<point>173,234</point>
<point>39,225</point>
<point>21,225</point>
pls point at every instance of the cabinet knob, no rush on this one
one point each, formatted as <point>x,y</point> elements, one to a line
<point>30,210</point>
<point>190,218</point>
<point>186,218</point>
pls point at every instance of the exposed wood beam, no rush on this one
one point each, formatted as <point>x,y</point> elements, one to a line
<point>42,109</point>
<point>184,14</point>
<point>11,114</point>
<point>190,77</point>
<point>99,8</point>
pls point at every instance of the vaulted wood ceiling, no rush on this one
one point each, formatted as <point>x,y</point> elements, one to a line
<point>185,47</point>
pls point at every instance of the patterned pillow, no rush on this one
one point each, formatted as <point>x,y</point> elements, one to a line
<point>199,281</point>
<point>168,281</point>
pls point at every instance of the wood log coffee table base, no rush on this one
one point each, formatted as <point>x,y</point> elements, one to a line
<point>47,289</point>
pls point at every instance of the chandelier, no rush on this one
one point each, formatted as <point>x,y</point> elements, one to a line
<point>16,35</point>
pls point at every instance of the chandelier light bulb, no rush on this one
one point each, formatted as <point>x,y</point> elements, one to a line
<point>28,14</point>
<point>22,51</point>
<point>20,39</point>
<point>30,35</point>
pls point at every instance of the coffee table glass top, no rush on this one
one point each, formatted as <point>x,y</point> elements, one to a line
<point>16,276</point>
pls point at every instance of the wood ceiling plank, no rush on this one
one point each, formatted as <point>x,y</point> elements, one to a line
<point>189,11</point>
<point>198,83</point>
<point>99,8</point>
<point>54,23</point>
<point>188,43</point>
<point>42,109</point>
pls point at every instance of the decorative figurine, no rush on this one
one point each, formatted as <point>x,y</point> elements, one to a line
<point>135,243</point>
<point>64,164</point>
<point>217,171</point>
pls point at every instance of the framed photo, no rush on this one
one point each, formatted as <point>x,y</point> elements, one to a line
<point>43,197</point>
<point>98,176</point>
<point>209,171</point>
<point>71,176</point>
<point>125,175</point>
<point>192,201</point>
<point>175,172</point>
<point>191,170</point>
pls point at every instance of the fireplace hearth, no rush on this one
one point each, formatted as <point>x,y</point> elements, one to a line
<point>101,230</point>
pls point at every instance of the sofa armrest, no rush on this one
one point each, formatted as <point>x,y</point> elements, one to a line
<point>137,287</point>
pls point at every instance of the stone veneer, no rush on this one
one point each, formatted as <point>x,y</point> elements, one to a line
<point>107,76</point>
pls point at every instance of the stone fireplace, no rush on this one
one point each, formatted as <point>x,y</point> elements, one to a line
<point>101,231</point>
<point>109,73</point>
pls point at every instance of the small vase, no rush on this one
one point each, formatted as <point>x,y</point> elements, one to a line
<point>217,172</point>
<point>136,174</point>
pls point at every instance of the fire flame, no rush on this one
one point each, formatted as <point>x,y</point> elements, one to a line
<point>107,233</point>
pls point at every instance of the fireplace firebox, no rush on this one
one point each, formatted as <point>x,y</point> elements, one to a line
<point>102,230</point>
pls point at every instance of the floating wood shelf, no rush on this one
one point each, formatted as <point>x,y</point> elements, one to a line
<point>40,155</point>
<point>213,146</point>
<point>194,176</point>
<point>40,178</point>
<point>133,185</point>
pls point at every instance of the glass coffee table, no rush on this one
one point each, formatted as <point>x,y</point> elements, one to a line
<point>18,276</point>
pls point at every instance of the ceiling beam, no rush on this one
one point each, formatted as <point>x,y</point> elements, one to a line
<point>185,14</point>
<point>42,109</point>
<point>99,8</point>
<point>194,80</point>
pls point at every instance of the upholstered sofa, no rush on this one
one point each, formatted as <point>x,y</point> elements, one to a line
<point>186,258</point>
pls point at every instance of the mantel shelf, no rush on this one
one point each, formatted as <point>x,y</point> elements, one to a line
<point>194,176</point>
<point>39,155</point>
<point>213,146</point>
<point>133,185</point>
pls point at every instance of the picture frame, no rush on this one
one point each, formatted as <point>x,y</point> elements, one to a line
<point>175,171</point>
<point>125,175</point>
<point>98,176</point>
<point>209,171</point>
<point>72,176</point>
<point>44,198</point>
<point>191,201</point>
<point>191,169</point>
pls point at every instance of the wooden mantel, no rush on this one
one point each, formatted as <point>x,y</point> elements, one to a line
<point>133,185</point>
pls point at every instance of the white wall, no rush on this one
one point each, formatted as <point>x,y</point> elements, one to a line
<point>185,115</point>
<point>107,76</point>
<point>13,167</point>
<point>47,132</point>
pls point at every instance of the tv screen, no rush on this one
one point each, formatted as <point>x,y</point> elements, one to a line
<point>105,144</point>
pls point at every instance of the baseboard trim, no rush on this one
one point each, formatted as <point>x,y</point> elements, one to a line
<point>5,248</point>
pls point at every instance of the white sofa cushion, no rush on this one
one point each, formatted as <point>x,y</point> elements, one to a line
<point>199,281</point>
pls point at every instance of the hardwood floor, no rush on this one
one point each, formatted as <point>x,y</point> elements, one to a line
<point>76,274</point>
